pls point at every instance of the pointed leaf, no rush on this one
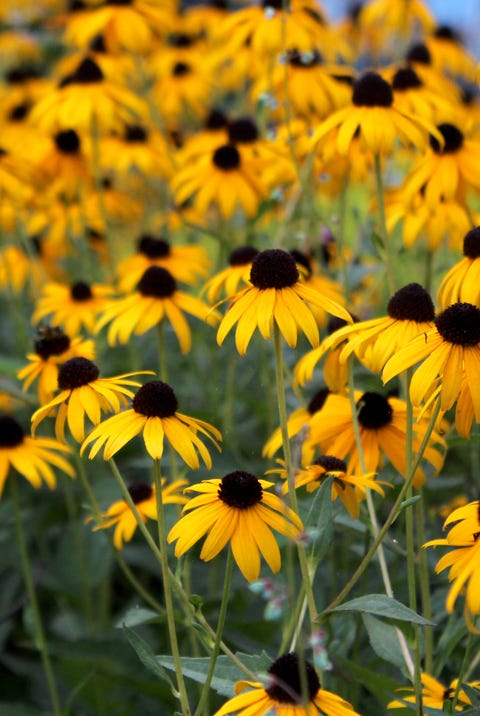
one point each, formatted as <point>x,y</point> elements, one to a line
<point>147,657</point>
<point>383,606</point>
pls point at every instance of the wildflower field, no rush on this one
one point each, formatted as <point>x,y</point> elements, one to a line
<point>240,365</point>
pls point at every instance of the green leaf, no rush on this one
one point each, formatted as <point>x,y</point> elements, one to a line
<point>410,501</point>
<point>147,657</point>
<point>320,516</point>
<point>380,685</point>
<point>137,616</point>
<point>383,606</point>
<point>226,672</point>
<point>384,641</point>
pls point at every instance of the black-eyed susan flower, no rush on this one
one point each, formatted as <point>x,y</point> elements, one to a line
<point>222,179</point>
<point>64,165</point>
<point>282,694</point>
<point>373,115</point>
<point>154,414</point>
<point>144,498</point>
<point>73,307</point>
<point>449,54</point>
<point>52,348</point>
<point>351,489</point>
<point>85,98</point>
<point>448,219</point>
<point>140,149</point>
<point>450,352</point>
<point>31,457</point>
<point>412,96</point>
<point>435,695</point>
<point>236,509</point>
<point>410,312</point>
<point>125,27</point>
<point>156,298</point>
<point>278,296</point>
<point>447,170</point>
<point>461,284</point>
<point>401,17</point>
<point>383,425</point>
<point>297,422</point>
<point>463,561</point>
<point>83,394</point>
<point>236,274</point>
<point>186,262</point>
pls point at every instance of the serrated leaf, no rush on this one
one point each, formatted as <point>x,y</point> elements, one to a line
<point>383,606</point>
<point>147,657</point>
<point>226,672</point>
<point>384,640</point>
<point>137,616</point>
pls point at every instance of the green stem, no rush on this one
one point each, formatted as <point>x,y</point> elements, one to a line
<point>372,514</point>
<point>163,551</point>
<point>464,671</point>
<point>424,580</point>
<point>410,542</point>
<point>282,413</point>
<point>392,516</point>
<point>218,636</point>
<point>39,633</point>
<point>386,239</point>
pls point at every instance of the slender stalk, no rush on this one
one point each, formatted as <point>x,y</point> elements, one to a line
<point>282,412</point>
<point>392,516</point>
<point>410,542</point>
<point>218,636</point>
<point>424,582</point>
<point>464,669</point>
<point>39,633</point>
<point>167,592</point>
<point>386,239</point>
<point>373,517</point>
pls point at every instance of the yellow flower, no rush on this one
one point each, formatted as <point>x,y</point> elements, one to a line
<point>282,694</point>
<point>72,307</point>
<point>374,116</point>
<point>52,348</point>
<point>382,423</point>
<point>276,295</point>
<point>236,274</point>
<point>144,499</point>
<point>85,98</point>
<point>156,298</point>
<point>238,509</point>
<point>462,282</point>
<point>435,695</point>
<point>450,352</point>
<point>463,561</point>
<point>186,262</point>
<point>29,456</point>
<point>154,414</point>
<point>83,394</point>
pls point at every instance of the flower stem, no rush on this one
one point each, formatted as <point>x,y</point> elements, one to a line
<point>40,639</point>
<point>287,453</point>
<point>162,543</point>
<point>386,239</point>
<point>372,514</point>
<point>218,635</point>
<point>392,516</point>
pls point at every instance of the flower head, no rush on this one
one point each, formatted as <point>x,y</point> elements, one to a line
<point>238,509</point>
<point>154,414</point>
<point>156,297</point>
<point>29,456</point>
<point>435,695</point>
<point>83,394</point>
<point>450,352</point>
<point>73,306</point>
<point>52,348</point>
<point>464,560</point>
<point>282,693</point>
<point>276,296</point>
<point>462,282</point>
<point>144,499</point>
